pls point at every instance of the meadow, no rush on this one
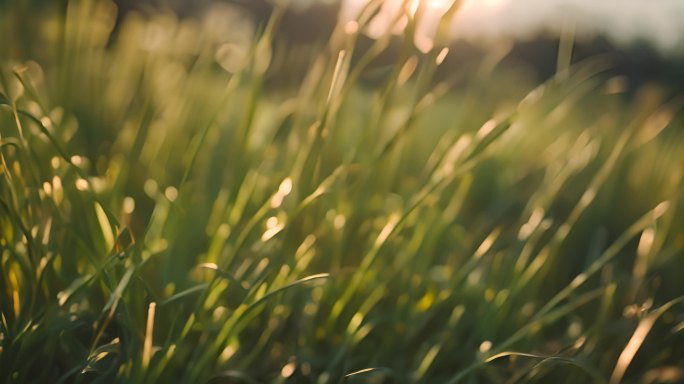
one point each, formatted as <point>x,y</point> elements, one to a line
<point>171,212</point>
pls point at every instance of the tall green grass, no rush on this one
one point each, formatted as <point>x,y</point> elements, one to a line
<point>166,220</point>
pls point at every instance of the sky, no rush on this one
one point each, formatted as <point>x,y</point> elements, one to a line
<point>624,21</point>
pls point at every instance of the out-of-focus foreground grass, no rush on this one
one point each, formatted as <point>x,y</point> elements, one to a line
<point>168,216</point>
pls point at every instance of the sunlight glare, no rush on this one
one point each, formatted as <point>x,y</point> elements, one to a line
<point>430,5</point>
<point>483,3</point>
<point>439,4</point>
<point>393,17</point>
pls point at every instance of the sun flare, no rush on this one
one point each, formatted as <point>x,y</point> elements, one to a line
<point>445,4</point>
<point>436,5</point>
<point>483,3</point>
<point>393,16</point>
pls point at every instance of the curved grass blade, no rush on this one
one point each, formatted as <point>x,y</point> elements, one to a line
<point>591,371</point>
<point>185,293</point>
<point>294,284</point>
<point>368,372</point>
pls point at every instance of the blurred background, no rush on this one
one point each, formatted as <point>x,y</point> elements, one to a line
<point>645,40</point>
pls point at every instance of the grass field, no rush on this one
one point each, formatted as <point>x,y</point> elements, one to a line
<point>167,214</point>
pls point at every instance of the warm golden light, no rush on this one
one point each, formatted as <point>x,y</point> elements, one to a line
<point>484,3</point>
<point>440,4</point>
<point>431,5</point>
<point>393,17</point>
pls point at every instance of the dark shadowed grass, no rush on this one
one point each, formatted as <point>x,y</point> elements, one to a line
<point>167,220</point>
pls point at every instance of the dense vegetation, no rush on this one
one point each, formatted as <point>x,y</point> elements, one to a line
<point>169,213</point>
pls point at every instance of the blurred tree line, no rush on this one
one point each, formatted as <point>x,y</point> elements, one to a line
<point>305,29</point>
<point>311,25</point>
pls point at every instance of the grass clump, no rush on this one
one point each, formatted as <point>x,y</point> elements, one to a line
<point>169,216</point>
